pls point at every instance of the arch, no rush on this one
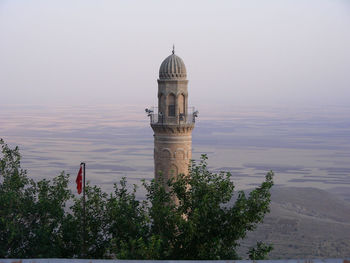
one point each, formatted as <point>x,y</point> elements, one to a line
<point>160,103</point>
<point>171,104</point>
<point>181,103</point>
<point>173,171</point>
<point>180,154</point>
<point>166,153</point>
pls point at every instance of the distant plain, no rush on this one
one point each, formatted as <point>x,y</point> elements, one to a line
<point>305,147</point>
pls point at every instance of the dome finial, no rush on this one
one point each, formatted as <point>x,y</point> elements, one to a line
<point>172,67</point>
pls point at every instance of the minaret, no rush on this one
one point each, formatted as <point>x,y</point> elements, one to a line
<point>173,121</point>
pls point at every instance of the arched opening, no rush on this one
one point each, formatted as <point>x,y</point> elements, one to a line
<point>166,153</point>
<point>181,103</point>
<point>173,171</point>
<point>161,109</point>
<point>171,104</point>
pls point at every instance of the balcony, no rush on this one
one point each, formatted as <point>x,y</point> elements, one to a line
<point>158,118</point>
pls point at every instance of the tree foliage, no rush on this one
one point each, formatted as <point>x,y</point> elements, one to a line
<point>200,217</point>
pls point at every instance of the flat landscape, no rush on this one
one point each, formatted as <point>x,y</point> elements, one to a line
<point>308,149</point>
<point>305,223</point>
<point>304,147</point>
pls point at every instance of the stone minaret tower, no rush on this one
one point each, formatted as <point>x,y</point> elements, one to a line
<point>173,121</point>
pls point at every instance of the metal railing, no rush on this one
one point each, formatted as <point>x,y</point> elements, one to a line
<point>157,117</point>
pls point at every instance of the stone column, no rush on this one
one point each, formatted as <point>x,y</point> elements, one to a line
<point>172,149</point>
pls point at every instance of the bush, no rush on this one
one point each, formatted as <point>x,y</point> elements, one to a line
<point>193,220</point>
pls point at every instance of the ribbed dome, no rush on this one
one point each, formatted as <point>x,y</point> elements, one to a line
<point>172,68</point>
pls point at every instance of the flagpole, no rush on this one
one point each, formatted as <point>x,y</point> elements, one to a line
<point>84,213</point>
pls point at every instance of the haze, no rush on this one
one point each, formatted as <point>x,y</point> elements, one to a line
<point>236,52</point>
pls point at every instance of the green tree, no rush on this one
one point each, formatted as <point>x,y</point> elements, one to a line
<point>128,223</point>
<point>200,217</point>
<point>16,199</point>
<point>260,252</point>
<point>197,219</point>
<point>204,224</point>
<point>32,215</point>
<point>47,218</point>
<point>96,232</point>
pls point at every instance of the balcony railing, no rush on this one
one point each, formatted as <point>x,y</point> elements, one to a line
<point>157,117</point>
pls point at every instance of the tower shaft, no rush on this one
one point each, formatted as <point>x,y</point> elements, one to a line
<point>172,149</point>
<point>172,121</point>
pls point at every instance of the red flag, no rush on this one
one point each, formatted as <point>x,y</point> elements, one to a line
<point>79,180</point>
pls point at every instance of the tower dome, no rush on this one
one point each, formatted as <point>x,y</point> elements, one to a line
<point>172,67</point>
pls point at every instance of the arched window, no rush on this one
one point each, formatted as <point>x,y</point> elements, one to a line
<point>181,103</point>
<point>161,109</point>
<point>171,104</point>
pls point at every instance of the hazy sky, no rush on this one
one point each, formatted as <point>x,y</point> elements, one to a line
<point>236,52</point>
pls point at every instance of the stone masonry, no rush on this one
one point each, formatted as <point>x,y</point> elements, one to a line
<point>173,121</point>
